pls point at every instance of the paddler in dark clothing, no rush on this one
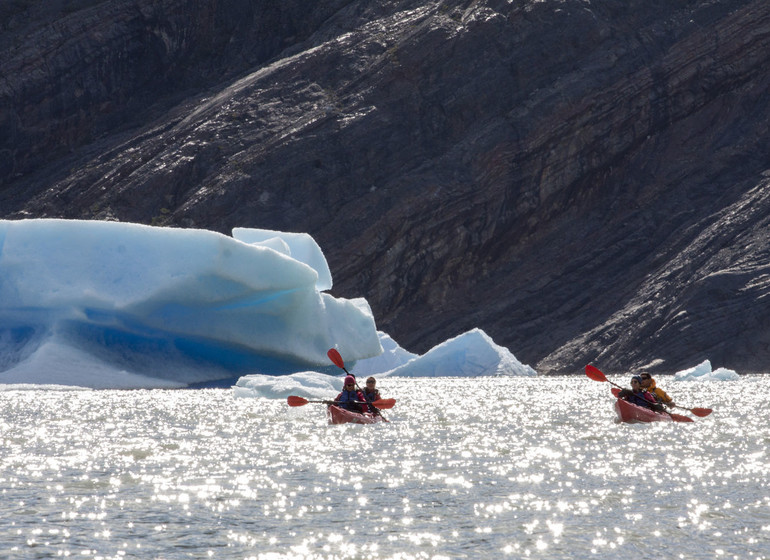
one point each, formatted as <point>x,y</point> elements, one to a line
<point>638,396</point>
<point>350,397</point>
<point>648,384</point>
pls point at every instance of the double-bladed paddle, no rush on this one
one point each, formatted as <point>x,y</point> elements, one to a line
<point>336,358</point>
<point>379,403</point>
<point>596,374</point>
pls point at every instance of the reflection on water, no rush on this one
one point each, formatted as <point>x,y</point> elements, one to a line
<point>487,468</point>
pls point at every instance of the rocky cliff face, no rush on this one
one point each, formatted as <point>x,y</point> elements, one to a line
<point>584,181</point>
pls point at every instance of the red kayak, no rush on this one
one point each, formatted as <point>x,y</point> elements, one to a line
<point>339,415</point>
<point>633,414</point>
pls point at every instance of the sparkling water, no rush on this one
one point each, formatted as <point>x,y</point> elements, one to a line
<point>466,468</point>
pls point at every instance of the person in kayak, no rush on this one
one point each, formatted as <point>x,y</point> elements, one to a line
<point>648,384</point>
<point>371,393</point>
<point>638,396</point>
<point>351,398</point>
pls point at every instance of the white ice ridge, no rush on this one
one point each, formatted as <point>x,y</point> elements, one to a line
<point>471,354</point>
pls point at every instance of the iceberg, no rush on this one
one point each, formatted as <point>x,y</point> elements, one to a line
<point>703,372</point>
<point>392,357</point>
<point>120,305</point>
<point>471,354</point>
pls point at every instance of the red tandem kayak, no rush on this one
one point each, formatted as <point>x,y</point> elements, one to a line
<point>633,414</point>
<point>339,415</point>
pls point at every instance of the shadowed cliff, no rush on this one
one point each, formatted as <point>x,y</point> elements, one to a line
<point>584,181</point>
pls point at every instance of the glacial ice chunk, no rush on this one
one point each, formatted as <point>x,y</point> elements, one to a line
<point>179,306</point>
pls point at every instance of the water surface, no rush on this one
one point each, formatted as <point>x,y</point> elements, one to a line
<point>484,468</point>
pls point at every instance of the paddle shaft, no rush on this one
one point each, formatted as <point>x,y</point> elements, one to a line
<point>338,402</point>
<point>302,401</point>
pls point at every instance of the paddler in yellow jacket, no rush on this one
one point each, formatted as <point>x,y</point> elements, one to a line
<point>648,383</point>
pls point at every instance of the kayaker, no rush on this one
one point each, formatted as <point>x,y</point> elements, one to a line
<point>371,393</point>
<point>638,396</point>
<point>648,384</point>
<point>350,397</point>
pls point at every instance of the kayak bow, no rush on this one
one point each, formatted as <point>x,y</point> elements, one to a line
<point>339,415</point>
<point>633,414</point>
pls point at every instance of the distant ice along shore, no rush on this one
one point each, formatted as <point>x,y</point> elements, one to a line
<point>118,305</point>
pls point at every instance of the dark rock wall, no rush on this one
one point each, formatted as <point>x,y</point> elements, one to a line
<point>75,71</point>
<point>584,181</point>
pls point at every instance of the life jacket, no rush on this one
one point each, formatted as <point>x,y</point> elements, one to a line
<point>659,393</point>
<point>347,400</point>
<point>373,396</point>
<point>639,399</point>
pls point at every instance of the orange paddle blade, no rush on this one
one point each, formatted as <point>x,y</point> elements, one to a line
<point>701,411</point>
<point>296,401</point>
<point>383,403</point>
<point>595,374</point>
<point>335,357</point>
